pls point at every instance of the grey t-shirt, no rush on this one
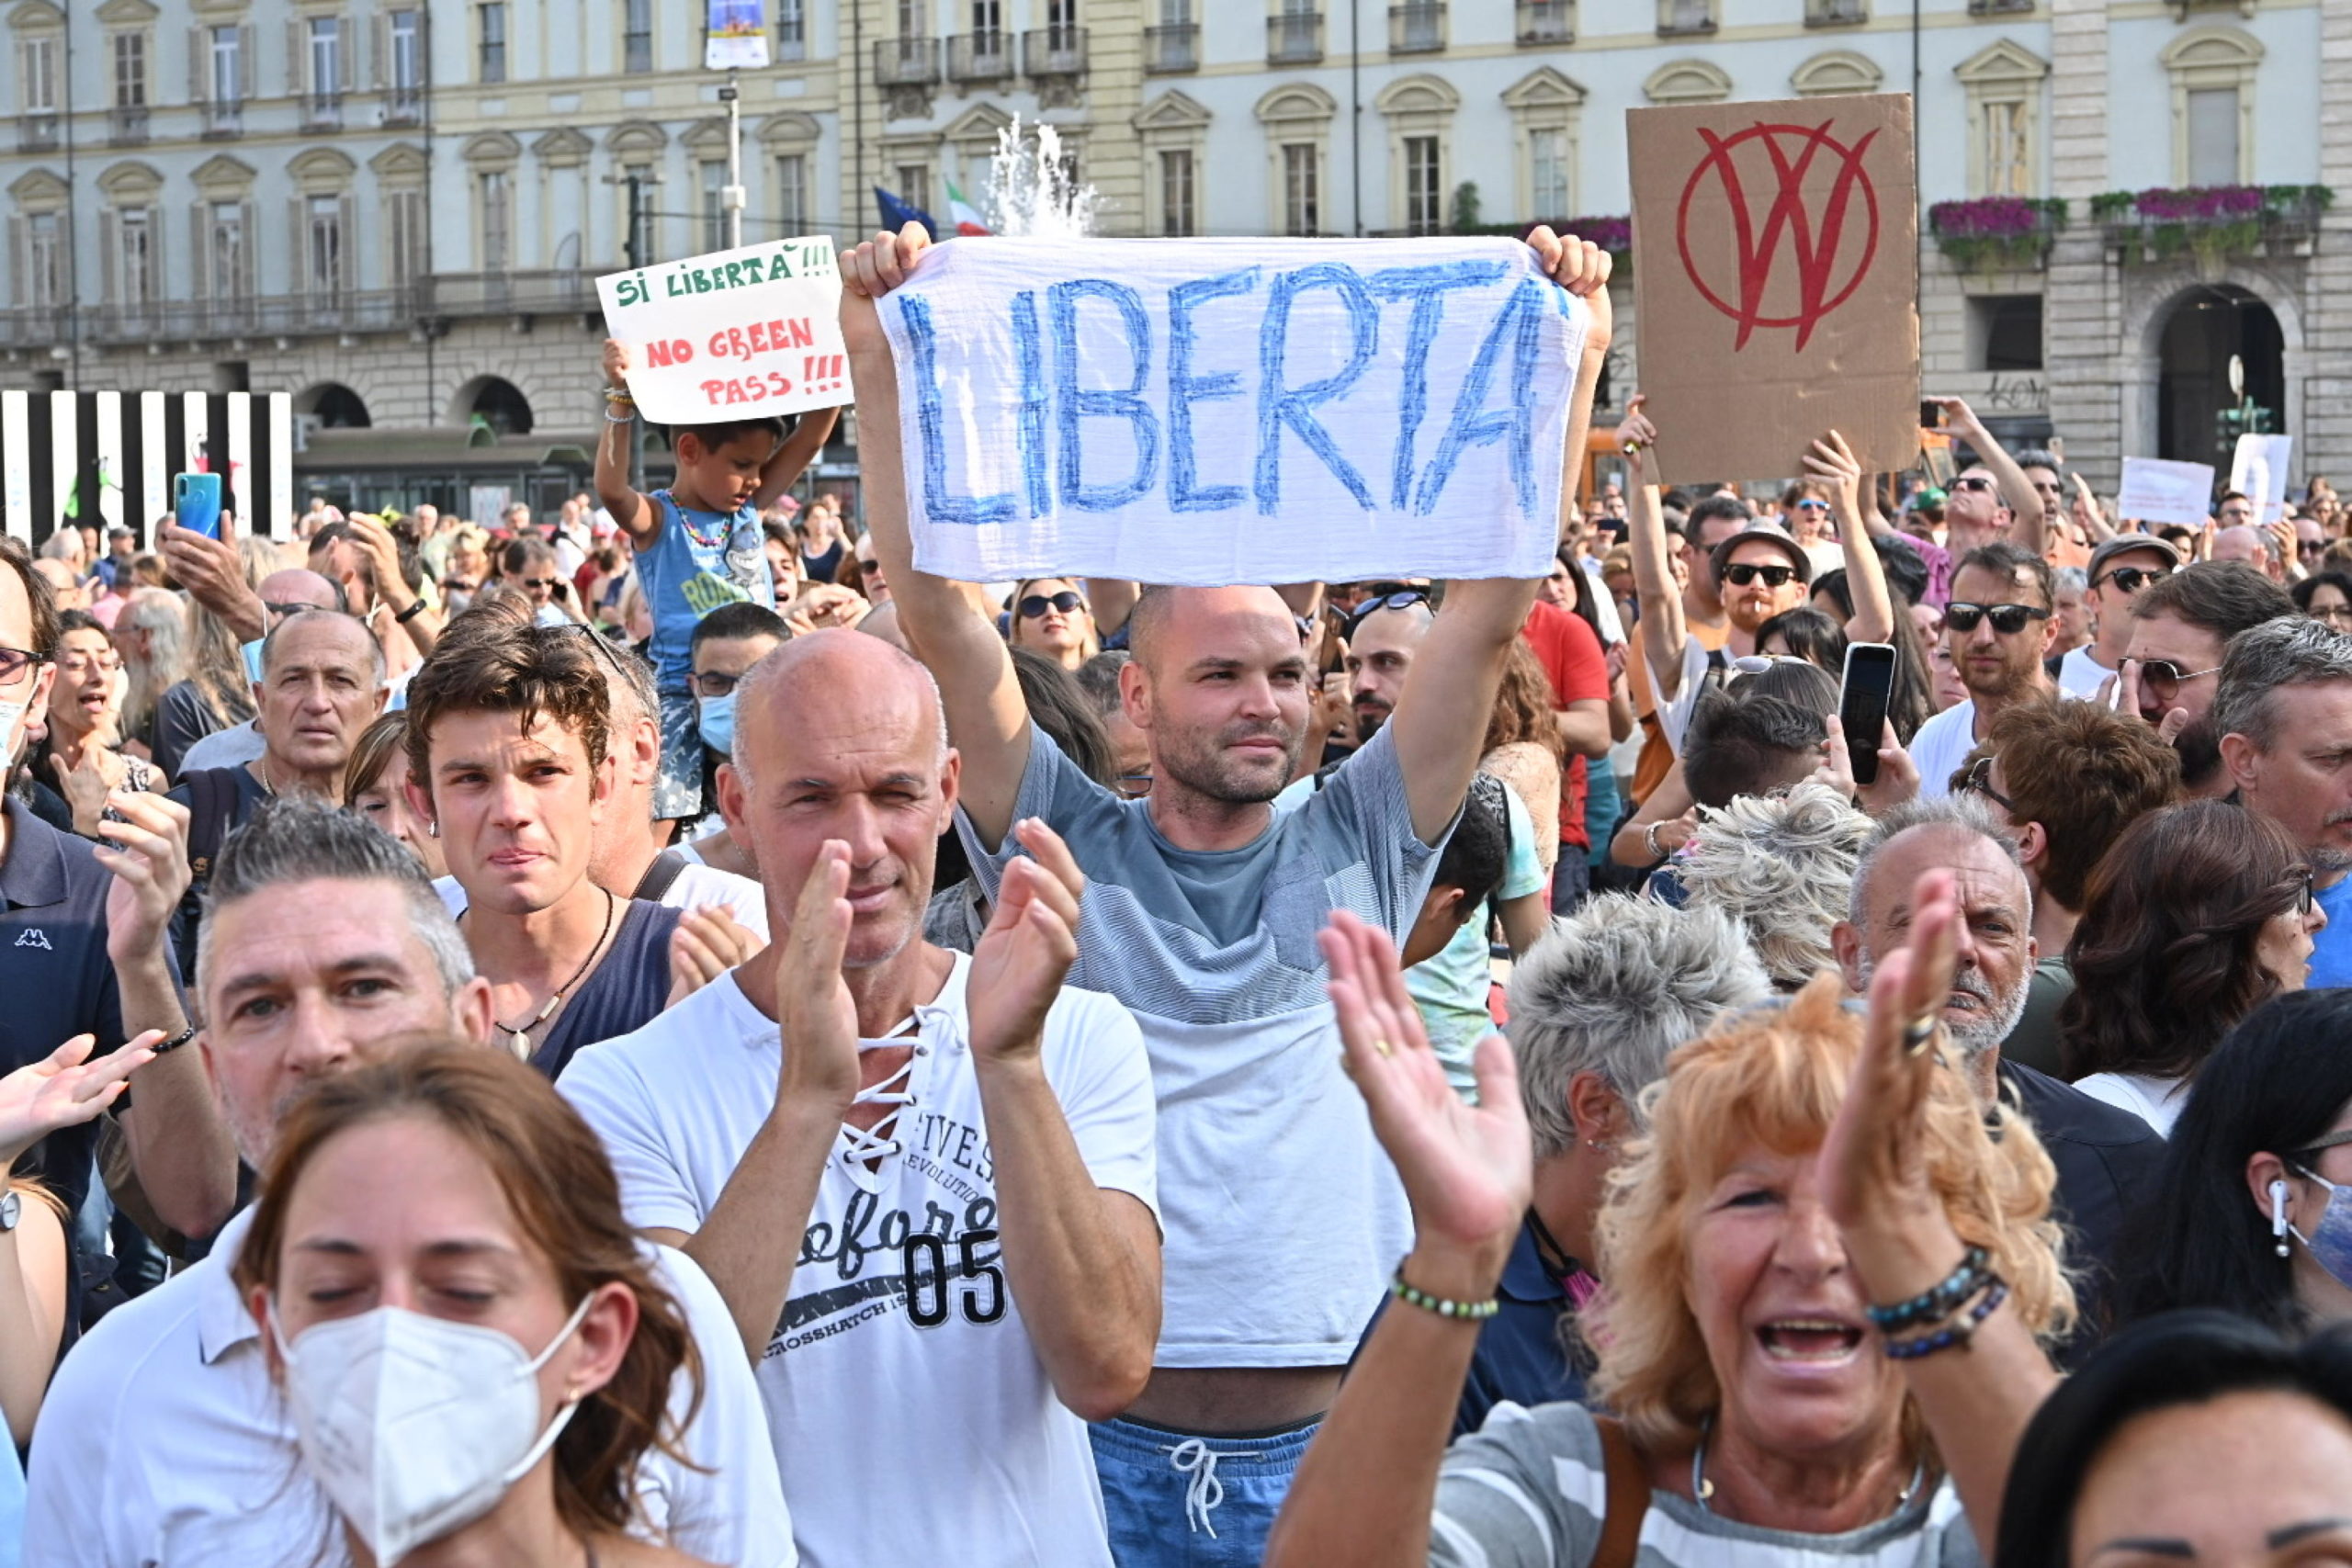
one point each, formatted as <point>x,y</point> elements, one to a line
<point>1528,1490</point>
<point>1282,1216</point>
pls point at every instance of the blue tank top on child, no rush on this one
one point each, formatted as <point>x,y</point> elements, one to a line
<point>695,562</point>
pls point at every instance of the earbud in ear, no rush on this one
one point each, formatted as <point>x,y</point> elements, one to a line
<point>2279,1216</point>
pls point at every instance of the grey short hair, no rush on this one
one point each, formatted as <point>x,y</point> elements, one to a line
<point>2290,651</point>
<point>2070,579</point>
<point>375,648</point>
<point>1782,867</point>
<point>289,841</point>
<point>1954,813</point>
<point>1611,990</point>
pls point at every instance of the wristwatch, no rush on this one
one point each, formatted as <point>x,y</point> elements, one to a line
<point>12,1203</point>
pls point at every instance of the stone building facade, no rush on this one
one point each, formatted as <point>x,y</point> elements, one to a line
<point>395,210</point>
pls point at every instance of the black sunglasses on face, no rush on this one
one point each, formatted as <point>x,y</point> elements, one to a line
<point>2163,679</point>
<point>1971,481</point>
<point>541,584</point>
<point>1034,605</point>
<point>2131,579</point>
<point>2008,619</point>
<point>1979,779</point>
<point>1746,572</point>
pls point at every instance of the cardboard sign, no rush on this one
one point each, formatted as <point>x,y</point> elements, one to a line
<point>1236,411</point>
<point>1775,259</point>
<point>735,36</point>
<point>2157,491</point>
<point>735,335</point>
<point>2259,471</point>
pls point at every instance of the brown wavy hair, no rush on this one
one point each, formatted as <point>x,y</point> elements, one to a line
<point>1775,1076</point>
<point>2086,775</point>
<point>566,1202</point>
<point>2164,956</point>
<point>1524,705</point>
<point>485,662</point>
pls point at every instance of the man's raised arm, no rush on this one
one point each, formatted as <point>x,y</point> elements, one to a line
<point>942,625</point>
<point>1440,723</point>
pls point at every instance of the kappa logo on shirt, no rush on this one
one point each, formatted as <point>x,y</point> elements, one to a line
<point>33,936</point>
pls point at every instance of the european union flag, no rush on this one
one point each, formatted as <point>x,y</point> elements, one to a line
<point>898,213</point>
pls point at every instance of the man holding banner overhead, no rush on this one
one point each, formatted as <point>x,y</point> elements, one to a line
<point>1197,415</point>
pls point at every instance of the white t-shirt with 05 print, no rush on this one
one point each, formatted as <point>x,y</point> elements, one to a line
<point>900,1338</point>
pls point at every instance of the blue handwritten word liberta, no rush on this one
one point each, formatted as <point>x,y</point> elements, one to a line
<point>1052,413</point>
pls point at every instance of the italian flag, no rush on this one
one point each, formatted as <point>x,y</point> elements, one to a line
<point>966,220</point>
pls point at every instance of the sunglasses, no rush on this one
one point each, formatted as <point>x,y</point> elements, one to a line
<point>1980,780</point>
<point>2008,619</point>
<point>1034,605</point>
<point>2310,546</point>
<point>1402,599</point>
<point>1812,506</point>
<point>1746,572</point>
<point>2131,579</point>
<point>13,662</point>
<point>539,584</point>
<point>1971,481</point>
<point>2163,679</point>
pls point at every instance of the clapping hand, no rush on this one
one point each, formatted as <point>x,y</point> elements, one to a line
<point>1032,940</point>
<point>813,1003</point>
<point>706,943</point>
<point>64,1089</point>
<point>1467,1169</point>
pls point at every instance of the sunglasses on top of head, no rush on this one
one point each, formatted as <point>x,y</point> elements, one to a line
<point>1742,573</point>
<point>1034,605</point>
<point>1402,599</point>
<point>2008,619</point>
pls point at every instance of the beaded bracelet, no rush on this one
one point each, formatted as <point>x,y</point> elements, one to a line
<point>1953,1334</point>
<point>629,418</point>
<point>1938,1301</point>
<point>619,395</point>
<point>1439,1304</point>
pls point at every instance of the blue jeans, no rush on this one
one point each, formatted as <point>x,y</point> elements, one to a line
<point>1177,1501</point>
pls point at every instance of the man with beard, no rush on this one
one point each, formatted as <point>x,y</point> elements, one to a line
<point>2283,711</point>
<point>2106,1159</point>
<point>1998,630</point>
<point>2172,662</point>
<point>1282,1218</point>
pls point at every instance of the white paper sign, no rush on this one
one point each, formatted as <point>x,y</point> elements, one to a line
<point>2259,472</point>
<point>732,335</point>
<point>2157,491</point>
<point>1238,410</point>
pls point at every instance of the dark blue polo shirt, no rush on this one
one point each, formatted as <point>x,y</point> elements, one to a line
<point>55,977</point>
<point>1522,1354</point>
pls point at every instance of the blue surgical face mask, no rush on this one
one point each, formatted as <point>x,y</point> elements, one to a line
<point>252,652</point>
<point>717,723</point>
<point>2331,1240</point>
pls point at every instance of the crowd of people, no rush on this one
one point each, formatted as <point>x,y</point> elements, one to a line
<point>674,1035</point>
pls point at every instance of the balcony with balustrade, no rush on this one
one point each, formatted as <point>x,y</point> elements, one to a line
<point>1685,18</point>
<point>223,119</point>
<point>38,130</point>
<point>127,124</point>
<point>979,58</point>
<point>1294,38</point>
<point>1836,13</point>
<point>322,111</point>
<point>1051,52</point>
<point>1171,48</point>
<point>908,62</point>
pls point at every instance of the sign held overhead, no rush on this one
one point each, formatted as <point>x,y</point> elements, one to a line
<point>735,335</point>
<point>1776,267</point>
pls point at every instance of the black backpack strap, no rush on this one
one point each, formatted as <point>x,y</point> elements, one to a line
<point>212,803</point>
<point>667,867</point>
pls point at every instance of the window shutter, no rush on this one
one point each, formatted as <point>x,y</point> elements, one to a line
<point>347,253</point>
<point>110,258</point>
<point>247,71</point>
<point>155,255</point>
<point>300,283</point>
<point>298,72</point>
<point>346,54</point>
<point>381,35</point>
<point>19,263</point>
<point>199,233</point>
<point>245,258</point>
<point>199,64</point>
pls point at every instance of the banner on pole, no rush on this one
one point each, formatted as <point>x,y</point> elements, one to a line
<point>1776,256</point>
<point>2259,472</point>
<point>736,334</point>
<point>735,36</point>
<point>1214,412</point>
<point>2157,490</point>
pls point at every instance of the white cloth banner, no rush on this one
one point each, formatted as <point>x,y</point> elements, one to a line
<point>2157,490</point>
<point>1210,412</point>
<point>2259,472</point>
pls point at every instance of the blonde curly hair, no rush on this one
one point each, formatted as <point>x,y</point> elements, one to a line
<point>1774,1077</point>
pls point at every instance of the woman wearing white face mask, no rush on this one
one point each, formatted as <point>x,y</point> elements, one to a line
<point>472,1349</point>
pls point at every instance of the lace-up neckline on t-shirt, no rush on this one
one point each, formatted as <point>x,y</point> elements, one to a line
<point>860,1151</point>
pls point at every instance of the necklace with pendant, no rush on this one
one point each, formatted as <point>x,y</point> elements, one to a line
<point>518,1040</point>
